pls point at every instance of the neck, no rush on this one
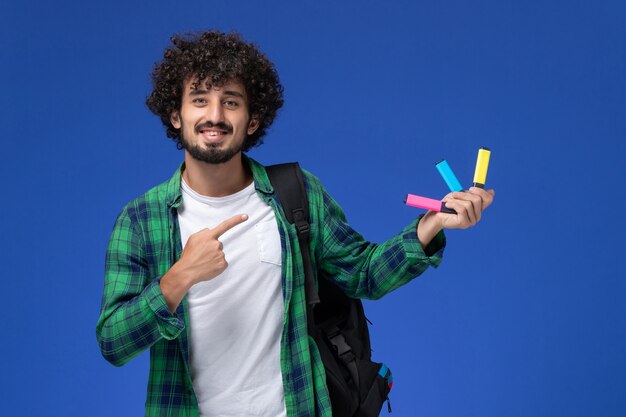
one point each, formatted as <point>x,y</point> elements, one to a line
<point>216,180</point>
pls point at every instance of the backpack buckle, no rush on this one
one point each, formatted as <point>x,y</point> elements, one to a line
<point>345,354</point>
<point>301,223</point>
<point>303,229</point>
<point>342,348</point>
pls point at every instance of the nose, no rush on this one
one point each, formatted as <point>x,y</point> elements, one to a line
<point>215,112</point>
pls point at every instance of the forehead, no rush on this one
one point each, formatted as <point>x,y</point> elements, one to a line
<point>195,85</point>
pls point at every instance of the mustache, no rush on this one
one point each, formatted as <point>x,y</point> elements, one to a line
<point>220,125</point>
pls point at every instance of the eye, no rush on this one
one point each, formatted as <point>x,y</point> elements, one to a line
<point>231,104</point>
<point>199,100</point>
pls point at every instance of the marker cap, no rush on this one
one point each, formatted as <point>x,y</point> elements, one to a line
<point>427,203</point>
<point>448,176</point>
<point>482,165</point>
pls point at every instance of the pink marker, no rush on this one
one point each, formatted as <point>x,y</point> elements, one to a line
<point>427,203</point>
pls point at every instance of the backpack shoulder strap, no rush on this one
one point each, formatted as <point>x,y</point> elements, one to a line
<point>288,183</point>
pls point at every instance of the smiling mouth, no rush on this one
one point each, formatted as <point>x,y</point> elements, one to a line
<point>213,135</point>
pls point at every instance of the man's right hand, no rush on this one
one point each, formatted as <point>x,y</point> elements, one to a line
<point>202,260</point>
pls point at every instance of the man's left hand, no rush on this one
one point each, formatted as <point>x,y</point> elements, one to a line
<point>469,207</point>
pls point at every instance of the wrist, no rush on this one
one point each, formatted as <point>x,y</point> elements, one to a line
<point>180,277</point>
<point>174,285</point>
<point>428,227</point>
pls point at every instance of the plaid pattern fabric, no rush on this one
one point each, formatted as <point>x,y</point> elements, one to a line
<point>144,244</point>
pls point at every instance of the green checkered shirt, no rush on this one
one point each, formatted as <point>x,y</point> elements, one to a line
<point>145,243</point>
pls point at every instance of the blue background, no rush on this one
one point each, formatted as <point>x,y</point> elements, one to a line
<point>526,315</point>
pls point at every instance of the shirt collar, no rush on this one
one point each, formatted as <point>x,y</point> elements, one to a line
<point>261,181</point>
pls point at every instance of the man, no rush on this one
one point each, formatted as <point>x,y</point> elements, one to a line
<point>204,269</point>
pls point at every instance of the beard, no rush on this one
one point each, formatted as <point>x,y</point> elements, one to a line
<point>211,154</point>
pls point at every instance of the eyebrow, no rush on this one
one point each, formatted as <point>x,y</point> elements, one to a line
<point>233,93</point>
<point>198,92</point>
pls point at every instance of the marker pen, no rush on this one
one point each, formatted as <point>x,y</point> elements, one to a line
<point>448,176</point>
<point>482,164</point>
<point>427,203</point>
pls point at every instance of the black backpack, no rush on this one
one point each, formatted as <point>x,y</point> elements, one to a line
<point>357,386</point>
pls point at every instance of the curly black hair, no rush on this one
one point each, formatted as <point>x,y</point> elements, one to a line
<point>216,58</point>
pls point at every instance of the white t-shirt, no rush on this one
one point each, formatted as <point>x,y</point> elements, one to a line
<point>236,319</point>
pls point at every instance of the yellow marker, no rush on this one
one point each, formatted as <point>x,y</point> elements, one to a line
<point>482,164</point>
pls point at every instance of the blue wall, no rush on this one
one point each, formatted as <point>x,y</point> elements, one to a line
<point>526,315</point>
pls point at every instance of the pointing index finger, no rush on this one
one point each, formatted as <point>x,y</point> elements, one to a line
<point>228,224</point>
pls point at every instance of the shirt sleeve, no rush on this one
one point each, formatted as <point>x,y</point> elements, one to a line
<point>134,314</point>
<point>369,270</point>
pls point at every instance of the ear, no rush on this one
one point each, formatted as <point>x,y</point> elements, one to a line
<point>253,125</point>
<point>175,119</point>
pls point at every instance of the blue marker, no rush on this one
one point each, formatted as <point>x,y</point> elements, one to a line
<point>448,176</point>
